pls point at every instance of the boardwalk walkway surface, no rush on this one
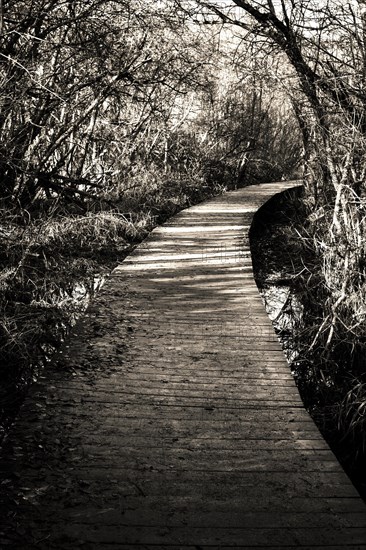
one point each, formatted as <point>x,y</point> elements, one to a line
<point>172,420</point>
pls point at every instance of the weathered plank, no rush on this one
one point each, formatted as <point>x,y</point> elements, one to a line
<point>171,419</point>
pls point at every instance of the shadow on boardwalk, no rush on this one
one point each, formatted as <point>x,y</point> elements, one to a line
<point>171,419</point>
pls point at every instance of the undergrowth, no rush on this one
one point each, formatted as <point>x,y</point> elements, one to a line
<point>53,258</point>
<point>331,376</point>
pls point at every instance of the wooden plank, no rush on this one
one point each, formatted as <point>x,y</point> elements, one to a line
<point>237,518</point>
<point>141,534</point>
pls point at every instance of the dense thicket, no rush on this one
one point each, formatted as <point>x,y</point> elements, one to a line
<point>90,89</point>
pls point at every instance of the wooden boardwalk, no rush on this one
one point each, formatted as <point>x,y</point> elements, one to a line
<point>171,419</point>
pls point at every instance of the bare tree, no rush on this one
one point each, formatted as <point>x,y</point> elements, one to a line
<point>79,83</point>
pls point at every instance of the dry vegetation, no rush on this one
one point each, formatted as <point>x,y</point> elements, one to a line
<point>331,378</point>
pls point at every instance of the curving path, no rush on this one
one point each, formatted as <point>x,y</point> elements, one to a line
<point>171,419</point>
